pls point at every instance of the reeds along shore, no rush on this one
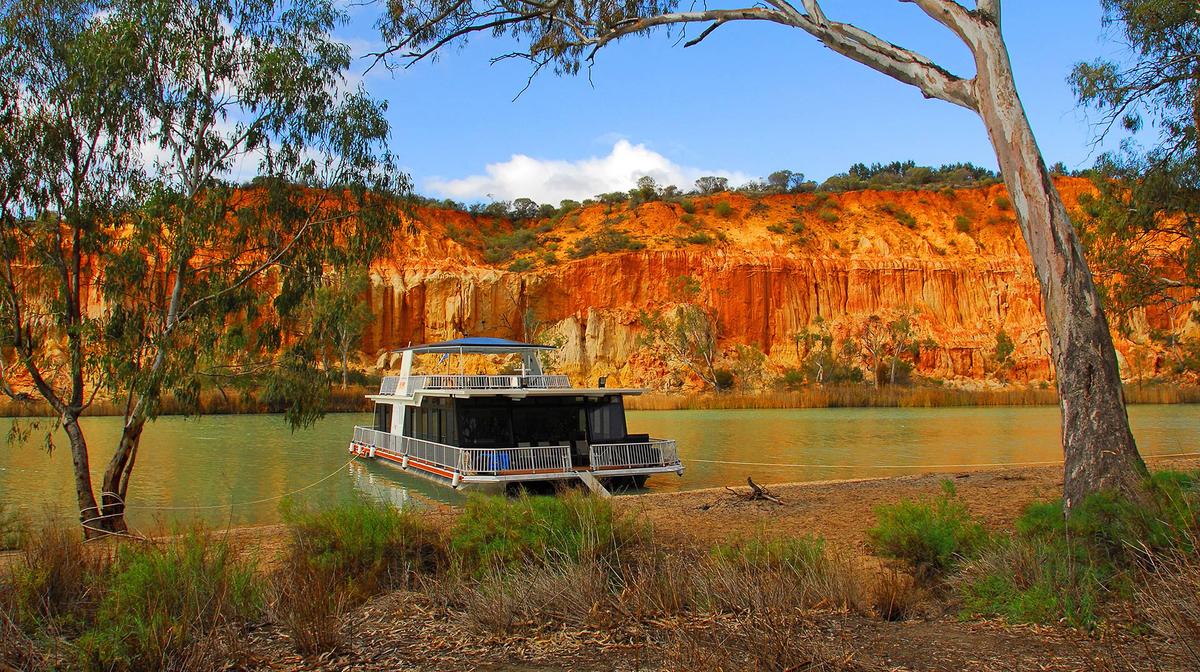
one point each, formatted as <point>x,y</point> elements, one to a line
<point>858,396</point>
<point>352,400</point>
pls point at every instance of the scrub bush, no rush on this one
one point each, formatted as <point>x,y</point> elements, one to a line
<point>1059,568</point>
<point>373,545</point>
<point>174,606</point>
<point>930,534</point>
<point>494,532</point>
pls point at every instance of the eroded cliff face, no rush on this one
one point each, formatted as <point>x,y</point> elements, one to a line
<point>768,266</point>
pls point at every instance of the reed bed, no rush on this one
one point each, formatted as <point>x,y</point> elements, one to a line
<point>211,402</point>
<point>860,396</point>
<point>353,400</point>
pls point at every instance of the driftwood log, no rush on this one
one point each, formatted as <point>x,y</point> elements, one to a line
<point>757,492</point>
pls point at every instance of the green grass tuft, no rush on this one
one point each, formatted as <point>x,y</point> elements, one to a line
<point>931,534</point>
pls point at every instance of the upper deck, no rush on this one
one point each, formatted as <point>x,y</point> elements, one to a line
<point>530,381</point>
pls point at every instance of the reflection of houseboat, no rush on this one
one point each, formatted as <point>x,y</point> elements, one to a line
<point>487,431</point>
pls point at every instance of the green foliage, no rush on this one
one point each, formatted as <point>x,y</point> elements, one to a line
<point>496,532</point>
<point>609,239</point>
<point>1058,567</point>
<point>791,379</point>
<point>699,238</point>
<point>712,185</point>
<point>1002,203</point>
<point>501,247</point>
<point>521,265</point>
<point>962,224</point>
<point>824,367</point>
<point>1004,347</point>
<point>899,214</point>
<point>687,218</point>
<point>162,601</point>
<point>688,206</point>
<point>723,209</point>
<point>908,175</point>
<point>828,216</point>
<point>777,228</point>
<point>931,534</point>
<point>376,544</point>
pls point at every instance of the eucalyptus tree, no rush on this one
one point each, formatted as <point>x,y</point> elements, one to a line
<point>200,281</point>
<point>69,165</point>
<point>217,273</point>
<point>565,35</point>
<point>1143,229</point>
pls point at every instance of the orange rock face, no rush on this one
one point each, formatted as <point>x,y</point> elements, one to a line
<point>768,266</point>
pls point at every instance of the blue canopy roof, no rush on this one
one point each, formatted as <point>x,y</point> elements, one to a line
<point>477,345</point>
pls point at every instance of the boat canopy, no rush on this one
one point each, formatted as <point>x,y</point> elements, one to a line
<point>476,345</point>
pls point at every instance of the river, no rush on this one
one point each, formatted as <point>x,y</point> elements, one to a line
<point>195,469</point>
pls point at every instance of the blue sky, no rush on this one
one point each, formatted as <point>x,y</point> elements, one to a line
<point>750,99</point>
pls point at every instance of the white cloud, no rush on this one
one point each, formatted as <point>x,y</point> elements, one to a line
<point>550,181</point>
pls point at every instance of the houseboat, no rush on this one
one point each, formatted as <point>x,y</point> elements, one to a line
<point>489,432</point>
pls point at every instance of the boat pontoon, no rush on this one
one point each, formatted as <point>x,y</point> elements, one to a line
<point>486,432</point>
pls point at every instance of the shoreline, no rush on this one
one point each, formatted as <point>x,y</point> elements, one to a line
<point>352,400</point>
<point>838,510</point>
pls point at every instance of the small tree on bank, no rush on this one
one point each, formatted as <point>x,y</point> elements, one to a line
<point>1099,448</point>
<point>165,276</point>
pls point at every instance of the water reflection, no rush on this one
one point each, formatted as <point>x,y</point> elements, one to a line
<point>387,484</point>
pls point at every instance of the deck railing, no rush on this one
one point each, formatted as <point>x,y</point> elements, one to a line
<point>368,436</point>
<point>392,384</point>
<point>526,459</point>
<point>440,454</point>
<point>652,453</point>
<point>520,459</point>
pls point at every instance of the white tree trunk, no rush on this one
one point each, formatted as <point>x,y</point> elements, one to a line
<point>1098,447</point>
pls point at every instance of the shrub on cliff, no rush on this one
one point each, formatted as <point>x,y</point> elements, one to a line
<point>723,209</point>
<point>608,239</point>
<point>500,247</point>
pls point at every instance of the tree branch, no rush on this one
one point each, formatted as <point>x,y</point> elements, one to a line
<point>896,62</point>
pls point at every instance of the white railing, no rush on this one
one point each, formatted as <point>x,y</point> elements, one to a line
<point>389,384</point>
<point>652,453</point>
<point>392,384</point>
<point>372,437</point>
<point>440,454</point>
<point>510,460</point>
<point>521,459</point>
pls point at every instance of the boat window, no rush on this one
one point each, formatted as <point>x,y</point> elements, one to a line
<point>533,424</point>
<point>607,421</point>
<point>383,417</point>
<point>485,427</point>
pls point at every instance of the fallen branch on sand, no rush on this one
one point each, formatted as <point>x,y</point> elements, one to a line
<point>757,492</point>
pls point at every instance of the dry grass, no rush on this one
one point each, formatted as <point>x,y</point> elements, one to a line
<point>896,595</point>
<point>309,602</point>
<point>771,641</point>
<point>1169,598</point>
<point>856,396</point>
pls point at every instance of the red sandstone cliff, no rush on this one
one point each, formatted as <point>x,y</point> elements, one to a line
<point>955,258</point>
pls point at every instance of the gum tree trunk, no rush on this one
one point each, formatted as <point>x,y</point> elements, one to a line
<point>89,514</point>
<point>1098,448</point>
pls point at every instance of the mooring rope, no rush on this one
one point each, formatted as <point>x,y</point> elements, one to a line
<point>803,465</point>
<point>231,505</point>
